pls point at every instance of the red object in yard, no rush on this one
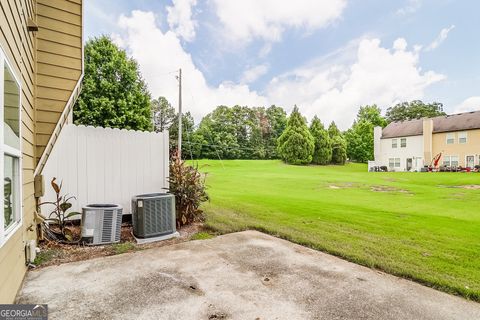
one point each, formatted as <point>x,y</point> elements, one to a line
<point>468,169</point>
<point>436,160</point>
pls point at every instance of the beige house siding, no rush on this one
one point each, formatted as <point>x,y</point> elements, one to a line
<point>471,148</point>
<point>18,45</point>
<point>59,62</point>
<point>48,64</point>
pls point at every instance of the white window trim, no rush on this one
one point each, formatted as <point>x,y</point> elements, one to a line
<point>5,235</point>
<point>466,163</point>
<point>448,135</point>
<point>401,142</point>
<point>399,162</point>
<point>450,160</point>
<point>396,143</point>
<point>466,137</point>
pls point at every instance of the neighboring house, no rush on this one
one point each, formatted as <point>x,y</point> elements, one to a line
<point>41,67</point>
<point>411,145</point>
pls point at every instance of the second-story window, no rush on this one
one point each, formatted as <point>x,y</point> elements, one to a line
<point>450,138</point>
<point>462,137</point>
<point>403,143</point>
<point>394,143</point>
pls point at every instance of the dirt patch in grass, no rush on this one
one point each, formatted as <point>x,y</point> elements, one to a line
<point>52,253</point>
<point>465,186</point>
<point>469,187</point>
<point>374,188</point>
<point>344,185</point>
<point>384,188</point>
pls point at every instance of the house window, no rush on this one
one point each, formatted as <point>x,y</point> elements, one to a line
<point>450,138</point>
<point>397,162</point>
<point>394,163</point>
<point>10,166</point>
<point>403,143</point>
<point>394,143</point>
<point>454,161</point>
<point>450,161</point>
<point>462,137</point>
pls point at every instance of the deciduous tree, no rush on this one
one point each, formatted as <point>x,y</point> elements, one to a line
<point>113,93</point>
<point>415,109</point>
<point>359,137</point>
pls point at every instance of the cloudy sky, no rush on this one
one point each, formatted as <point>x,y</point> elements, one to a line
<point>328,57</point>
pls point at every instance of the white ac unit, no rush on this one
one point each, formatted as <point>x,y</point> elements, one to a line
<point>101,223</point>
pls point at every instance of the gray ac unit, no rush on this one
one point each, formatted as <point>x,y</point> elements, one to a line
<point>153,215</point>
<point>101,223</point>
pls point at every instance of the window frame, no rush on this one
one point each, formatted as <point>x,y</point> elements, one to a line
<point>6,234</point>
<point>401,142</point>
<point>445,162</point>
<point>462,135</point>
<point>394,143</point>
<point>399,162</point>
<point>457,161</point>
<point>391,163</point>
<point>450,136</point>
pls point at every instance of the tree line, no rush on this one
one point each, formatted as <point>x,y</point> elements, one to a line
<point>115,95</point>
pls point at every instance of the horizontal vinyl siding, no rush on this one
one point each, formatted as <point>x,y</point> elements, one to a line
<point>18,45</point>
<point>59,63</point>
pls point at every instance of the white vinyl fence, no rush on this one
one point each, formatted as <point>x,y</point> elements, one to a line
<point>103,165</point>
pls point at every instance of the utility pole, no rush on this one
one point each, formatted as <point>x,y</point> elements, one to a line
<point>180,113</point>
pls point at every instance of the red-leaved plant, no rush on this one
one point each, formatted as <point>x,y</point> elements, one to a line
<point>188,186</point>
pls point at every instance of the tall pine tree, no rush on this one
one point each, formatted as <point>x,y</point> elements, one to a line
<point>339,145</point>
<point>296,144</point>
<point>322,153</point>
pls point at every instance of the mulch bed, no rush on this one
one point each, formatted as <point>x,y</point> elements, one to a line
<point>53,253</point>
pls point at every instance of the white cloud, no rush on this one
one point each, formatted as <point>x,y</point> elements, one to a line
<point>159,54</point>
<point>412,6</point>
<point>333,86</point>
<point>179,17</point>
<point>252,74</point>
<point>267,19</point>
<point>441,37</point>
<point>334,91</point>
<point>469,104</point>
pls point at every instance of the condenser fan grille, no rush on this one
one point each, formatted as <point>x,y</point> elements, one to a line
<point>154,215</point>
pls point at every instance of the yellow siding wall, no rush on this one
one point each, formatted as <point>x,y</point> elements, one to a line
<point>471,148</point>
<point>49,64</point>
<point>19,46</point>
<point>59,62</point>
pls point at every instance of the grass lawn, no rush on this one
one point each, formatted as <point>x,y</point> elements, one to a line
<point>415,225</point>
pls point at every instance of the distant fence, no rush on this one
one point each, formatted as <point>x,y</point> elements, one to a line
<point>103,165</point>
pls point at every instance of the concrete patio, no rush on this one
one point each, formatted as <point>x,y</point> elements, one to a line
<point>246,275</point>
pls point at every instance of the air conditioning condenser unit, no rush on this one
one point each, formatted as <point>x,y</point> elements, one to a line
<point>153,215</point>
<point>101,223</point>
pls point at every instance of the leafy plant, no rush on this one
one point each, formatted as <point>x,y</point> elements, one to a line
<point>114,94</point>
<point>188,186</point>
<point>58,216</point>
